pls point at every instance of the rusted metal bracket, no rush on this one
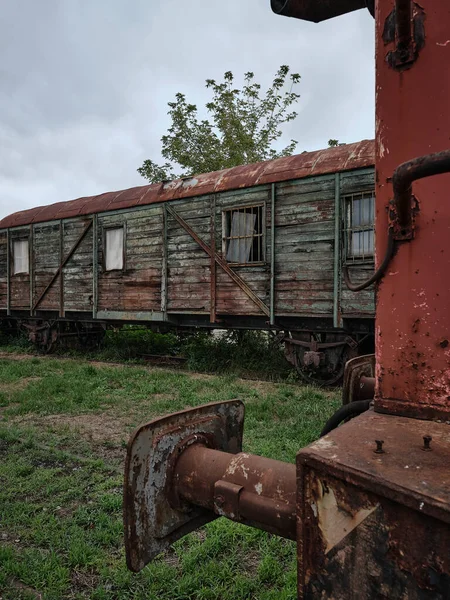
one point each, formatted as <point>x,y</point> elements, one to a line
<point>405,28</point>
<point>226,499</point>
<point>62,265</point>
<point>404,176</point>
<point>221,262</point>
<point>153,519</point>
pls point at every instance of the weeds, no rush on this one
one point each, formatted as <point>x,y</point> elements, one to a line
<point>242,353</point>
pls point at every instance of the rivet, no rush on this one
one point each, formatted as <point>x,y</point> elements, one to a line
<point>379,448</point>
<point>426,442</point>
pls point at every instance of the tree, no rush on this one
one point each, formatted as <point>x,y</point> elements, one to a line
<point>243,127</point>
<point>333,143</point>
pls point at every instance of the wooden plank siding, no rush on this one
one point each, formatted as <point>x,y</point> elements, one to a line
<point>77,273</point>
<point>19,283</point>
<point>166,271</point>
<point>189,267</point>
<point>138,286</point>
<point>46,254</point>
<point>304,246</point>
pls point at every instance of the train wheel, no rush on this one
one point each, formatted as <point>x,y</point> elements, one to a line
<point>47,338</point>
<point>320,358</point>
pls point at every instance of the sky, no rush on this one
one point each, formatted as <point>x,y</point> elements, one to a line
<point>84,85</point>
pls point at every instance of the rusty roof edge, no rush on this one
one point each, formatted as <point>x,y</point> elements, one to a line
<point>349,153</point>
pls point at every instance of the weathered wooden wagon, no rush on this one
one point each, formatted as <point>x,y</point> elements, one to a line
<point>260,246</point>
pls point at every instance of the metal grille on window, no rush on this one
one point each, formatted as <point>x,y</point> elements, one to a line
<point>21,256</point>
<point>360,225</point>
<point>244,235</point>
<point>114,248</point>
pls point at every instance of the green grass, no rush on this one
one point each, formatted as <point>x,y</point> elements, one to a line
<point>63,430</point>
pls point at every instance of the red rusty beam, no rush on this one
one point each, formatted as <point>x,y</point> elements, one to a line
<point>412,316</point>
<point>249,489</point>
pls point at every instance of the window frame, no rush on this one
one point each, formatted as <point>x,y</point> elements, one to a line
<point>349,230</point>
<point>105,229</point>
<point>226,234</point>
<point>25,238</point>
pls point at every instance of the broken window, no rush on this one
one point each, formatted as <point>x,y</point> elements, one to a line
<point>360,211</point>
<point>114,248</point>
<point>21,257</point>
<point>243,239</point>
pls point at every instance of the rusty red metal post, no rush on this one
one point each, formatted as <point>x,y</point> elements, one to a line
<point>412,318</point>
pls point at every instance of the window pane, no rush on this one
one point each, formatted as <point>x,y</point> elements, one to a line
<point>362,243</point>
<point>21,256</point>
<point>363,212</point>
<point>114,248</point>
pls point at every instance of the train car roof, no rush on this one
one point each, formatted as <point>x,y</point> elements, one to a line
<point>340,158</point>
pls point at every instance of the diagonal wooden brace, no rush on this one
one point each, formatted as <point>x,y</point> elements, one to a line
<point>62,265</point>
<point>221,262</point>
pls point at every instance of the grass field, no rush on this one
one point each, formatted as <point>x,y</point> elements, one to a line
<point>63,431</point>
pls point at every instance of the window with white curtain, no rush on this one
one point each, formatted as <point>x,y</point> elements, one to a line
<point>243,234</point>
<point>114,251</point>
<point>21,257</point>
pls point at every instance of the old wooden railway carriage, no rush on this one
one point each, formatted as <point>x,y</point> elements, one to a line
<point>257,246</point>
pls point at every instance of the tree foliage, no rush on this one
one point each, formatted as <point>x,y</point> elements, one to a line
<point>242,128</point>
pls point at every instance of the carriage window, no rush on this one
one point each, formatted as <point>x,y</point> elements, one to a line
<point>114,249</point>
<point>21,257</point>
<point>360,211</point>
<point>243,234</point>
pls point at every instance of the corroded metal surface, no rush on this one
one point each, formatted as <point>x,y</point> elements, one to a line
<point>413,320</point>
<point>404,471</point>
<point>252,490</point>
<point>341,158</point>
<point>151,523</point>
<point>375,525</point>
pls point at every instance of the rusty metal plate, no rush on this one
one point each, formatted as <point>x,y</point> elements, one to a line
<point>151,523</point>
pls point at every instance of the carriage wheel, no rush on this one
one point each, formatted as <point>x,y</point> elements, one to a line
<point>326,366</point>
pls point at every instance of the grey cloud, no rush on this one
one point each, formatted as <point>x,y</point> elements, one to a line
<point>84,86</point>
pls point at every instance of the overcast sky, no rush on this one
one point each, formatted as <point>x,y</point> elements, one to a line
<point>84,84</point>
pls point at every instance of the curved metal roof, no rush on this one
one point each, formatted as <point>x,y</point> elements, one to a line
<point>341,158</point>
